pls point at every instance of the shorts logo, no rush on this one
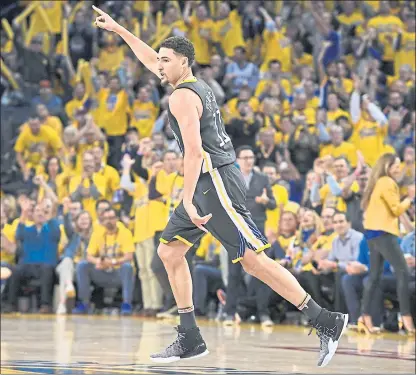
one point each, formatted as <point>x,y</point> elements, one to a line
<point>205,192</point>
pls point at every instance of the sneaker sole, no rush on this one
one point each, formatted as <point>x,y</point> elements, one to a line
<point>176,359</point>
<point>333,345</point>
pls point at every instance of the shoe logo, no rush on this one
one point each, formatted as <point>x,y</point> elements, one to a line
<point>205,192</point>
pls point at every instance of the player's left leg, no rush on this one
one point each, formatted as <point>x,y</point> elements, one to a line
<point>329,325</point>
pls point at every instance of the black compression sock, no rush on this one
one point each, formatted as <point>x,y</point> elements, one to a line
<point>310,308</point>
<point>187,317</point>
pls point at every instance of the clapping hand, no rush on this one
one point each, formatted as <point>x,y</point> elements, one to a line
<point>262,199</point>
<point>127,162</point>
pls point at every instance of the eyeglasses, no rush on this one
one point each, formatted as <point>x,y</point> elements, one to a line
<point>247,158</point>
<point>110,218</point>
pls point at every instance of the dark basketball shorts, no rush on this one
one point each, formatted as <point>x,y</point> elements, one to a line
<point>221,192</point>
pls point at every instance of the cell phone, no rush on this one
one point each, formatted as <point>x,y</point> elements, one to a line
<point>315,264</point>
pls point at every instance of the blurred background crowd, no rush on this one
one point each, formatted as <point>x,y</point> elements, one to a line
<point>311,93</point>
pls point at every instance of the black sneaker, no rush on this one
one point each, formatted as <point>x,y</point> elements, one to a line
<point>189,344</point>
<point>329,328</point>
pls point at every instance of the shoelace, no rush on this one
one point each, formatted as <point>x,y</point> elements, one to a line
<point>177,342</point>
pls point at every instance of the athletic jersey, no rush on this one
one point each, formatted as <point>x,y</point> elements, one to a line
<point>217,146</point>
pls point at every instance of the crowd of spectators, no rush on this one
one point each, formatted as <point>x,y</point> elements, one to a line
<point>312,93</point>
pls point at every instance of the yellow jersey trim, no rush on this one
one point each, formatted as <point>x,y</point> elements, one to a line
<point>183,240</point>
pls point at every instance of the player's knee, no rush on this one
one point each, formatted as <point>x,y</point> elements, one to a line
<point>251,263</point>
<point>168,254</point>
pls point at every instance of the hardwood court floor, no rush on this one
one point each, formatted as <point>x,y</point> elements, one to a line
<point>111,345</point>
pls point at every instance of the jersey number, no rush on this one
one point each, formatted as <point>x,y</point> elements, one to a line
<point>224,138</point>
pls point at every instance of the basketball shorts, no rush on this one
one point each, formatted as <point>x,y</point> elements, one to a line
<point>221,192</point>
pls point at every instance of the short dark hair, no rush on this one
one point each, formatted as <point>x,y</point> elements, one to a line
<point>180,45</point>
<point>243,148</point>
<point>274,61</point>
<point>102,201</point>
<point>169,152</point>
<point>132,129</point>
<point>241,49</point>
<point>271,165</point>
<point>337,212</point>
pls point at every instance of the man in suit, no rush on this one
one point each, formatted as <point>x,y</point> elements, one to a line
<point>259,198</point>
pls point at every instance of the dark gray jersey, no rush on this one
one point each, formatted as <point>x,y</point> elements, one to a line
<point>217,146</point>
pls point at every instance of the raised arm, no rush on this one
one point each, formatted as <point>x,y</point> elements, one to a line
<point>143,52</point>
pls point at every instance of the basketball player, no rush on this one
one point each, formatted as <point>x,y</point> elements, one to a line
<point>214,200</point>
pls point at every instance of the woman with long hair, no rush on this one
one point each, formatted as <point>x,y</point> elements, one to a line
<point>75,250</point>
<point>382,209</point>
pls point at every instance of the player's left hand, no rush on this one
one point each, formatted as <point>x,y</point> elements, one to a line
<point>198,221</point>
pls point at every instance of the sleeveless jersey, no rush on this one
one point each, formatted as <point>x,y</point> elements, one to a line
<point>217,146</point>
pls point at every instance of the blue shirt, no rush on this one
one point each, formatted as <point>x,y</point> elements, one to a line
<point>39,247</point>
<point>363,257</point>
<point>333,51</point>
<point>408,244</point>
<point>248,73</point>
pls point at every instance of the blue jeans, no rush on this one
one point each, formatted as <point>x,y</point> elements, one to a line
<point>207,279</point>
<point>353,286</point>
<point>121,277</point>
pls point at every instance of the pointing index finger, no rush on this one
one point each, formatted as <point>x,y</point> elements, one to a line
<point>99,11</point>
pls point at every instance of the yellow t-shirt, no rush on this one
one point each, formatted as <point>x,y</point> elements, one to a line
<point>144,125</point>
<point>52,122</point>
<point>285,242</point>
<point>201,45</point>
<point>114,110</point>
<point>274,49</point>
<point>355,18</point>
<point>230,110</point>
<point>9,233</point>
<point>141,209</point>
<point>111,58</point>
<point>72,106</point>
<point>264,83</point>
<point>330,201</point>
<point>209,247</point>
<point>228,32</point>
<point>83,147</point>
<point>386,25</point>
<point>273,216</point>
<point>89,203</point>
<point>61,182</point>
<point>32,145</point>
<point>171,187</point>
<point>368,137</point>
<point>406,53</point>
<point>53,10</point>
<point>324,242</point>
<point>345,149</point>
<point>334,115</point>
<point>305,60</point>
<point>112,178</point>
<point>112,246</point>
<point>309,113</point>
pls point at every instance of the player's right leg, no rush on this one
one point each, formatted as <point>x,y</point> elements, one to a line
<point>176,240</point>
